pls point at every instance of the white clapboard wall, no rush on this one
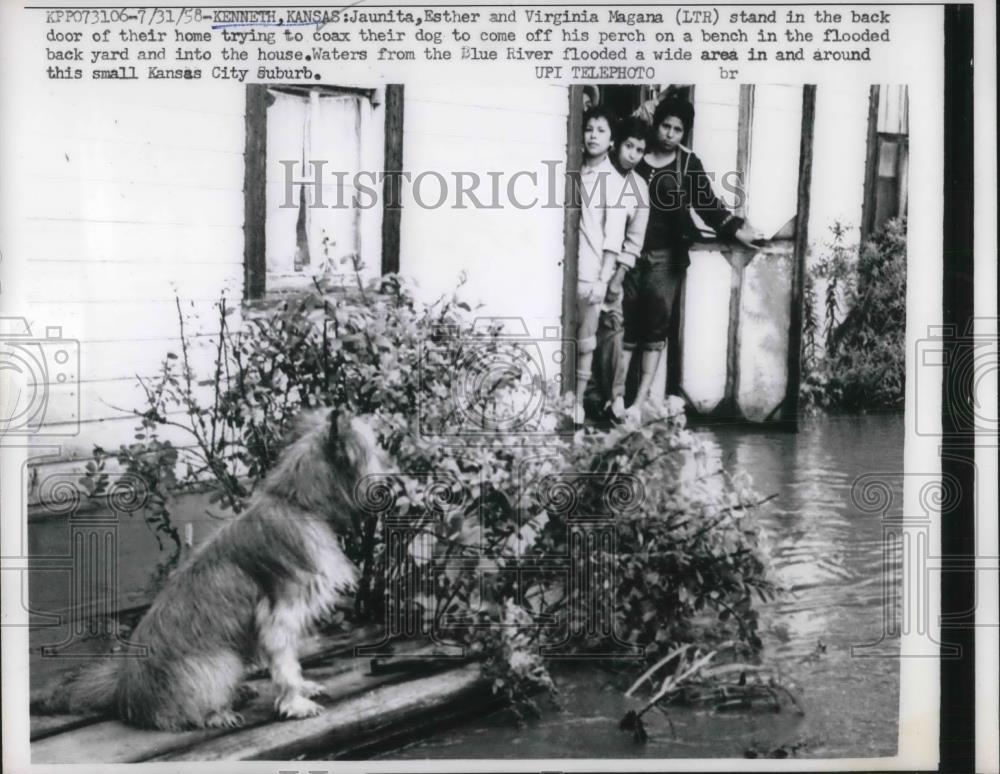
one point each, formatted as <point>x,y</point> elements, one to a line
<point>137,204</point>
<point>512,257</point>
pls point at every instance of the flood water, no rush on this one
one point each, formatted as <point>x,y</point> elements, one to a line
<point>828,554</point>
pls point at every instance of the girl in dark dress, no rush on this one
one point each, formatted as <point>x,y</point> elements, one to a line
<point>678,184</point>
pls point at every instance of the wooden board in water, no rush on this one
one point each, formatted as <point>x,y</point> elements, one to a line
<point>316,650</point>
<point>359,704</point>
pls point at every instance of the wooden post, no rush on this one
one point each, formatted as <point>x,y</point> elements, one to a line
<point>871,166</point>
<point>571,231</point>
<point>255,192</point>
<point>392,206</point>
<point>738,260</point>
<point>729,407</point>
<point>790,409</point>
<point>743,134</point>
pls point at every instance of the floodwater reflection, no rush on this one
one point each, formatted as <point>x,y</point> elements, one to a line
<point>827,553</point>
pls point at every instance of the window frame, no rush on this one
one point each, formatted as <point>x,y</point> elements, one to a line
<point>876,136</point>
<point>255,178</point>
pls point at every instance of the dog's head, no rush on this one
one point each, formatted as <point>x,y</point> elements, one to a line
<point>321,470</point>
<point>353,446</point>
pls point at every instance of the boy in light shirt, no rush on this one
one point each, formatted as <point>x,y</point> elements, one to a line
<point>601,235</point>
<point>610,367</point>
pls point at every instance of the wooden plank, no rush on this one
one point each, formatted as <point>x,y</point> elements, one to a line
<point>50,725</point>
<point>255,192</point>
<point>571,228</point>
<point>871,165</point>
<point>105,360</point>
<point>738,259</point>
<point>373,712</point>
<point>690,97</point>
<point>53,120</point>
<point>116,742</point>
<point>112,741</point>
<point>729,407</point>
<point>212,98</point>
<point>480,158</point>
<point>94,400</point>
<point>520,98</point>
<point>116,202</point>
<point>76,441</point>
<point>134,319</point>
<point>392,186</point>
<point>484,123</point>
<point>67,281</point>
<point>745,126</point>
<point>314,651</point>
<point>790,408</point>
<point>418,727</point>
<point>112,398</point>
<point>134,244</point>
<point>106,160</point>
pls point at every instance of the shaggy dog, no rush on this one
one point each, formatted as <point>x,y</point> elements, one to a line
<point>249,594</point>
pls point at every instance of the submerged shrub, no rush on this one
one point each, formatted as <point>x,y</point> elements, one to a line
<point>861,364</point>
<point>505,532</point>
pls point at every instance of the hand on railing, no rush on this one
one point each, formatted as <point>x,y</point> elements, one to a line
<point>746,235</point>
<point>750,237</point>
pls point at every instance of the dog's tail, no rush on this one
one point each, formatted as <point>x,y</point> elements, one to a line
<point>92,690</point>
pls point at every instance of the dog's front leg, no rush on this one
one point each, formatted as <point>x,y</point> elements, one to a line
<point>280,629</point>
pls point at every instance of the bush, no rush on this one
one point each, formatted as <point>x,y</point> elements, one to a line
<point>502,531</point>
<point>861,364</point>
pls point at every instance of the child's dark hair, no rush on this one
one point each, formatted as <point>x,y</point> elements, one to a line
<point>630,126</point>
<point>676,107</point>
<point>599,112</point>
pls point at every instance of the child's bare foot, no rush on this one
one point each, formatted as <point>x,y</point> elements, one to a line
<point>653,410</point>
<point>633,415</point>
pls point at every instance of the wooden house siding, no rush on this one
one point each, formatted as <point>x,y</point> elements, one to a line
<point>138,200</point>
<point>512,257</point>
<point>135,201</point>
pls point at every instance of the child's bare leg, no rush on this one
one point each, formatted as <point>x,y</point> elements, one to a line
<point>584,365</point>
<point>658,387</point>
<point>650,363</point>
<point>586,342</point>
<point>618,392</point>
